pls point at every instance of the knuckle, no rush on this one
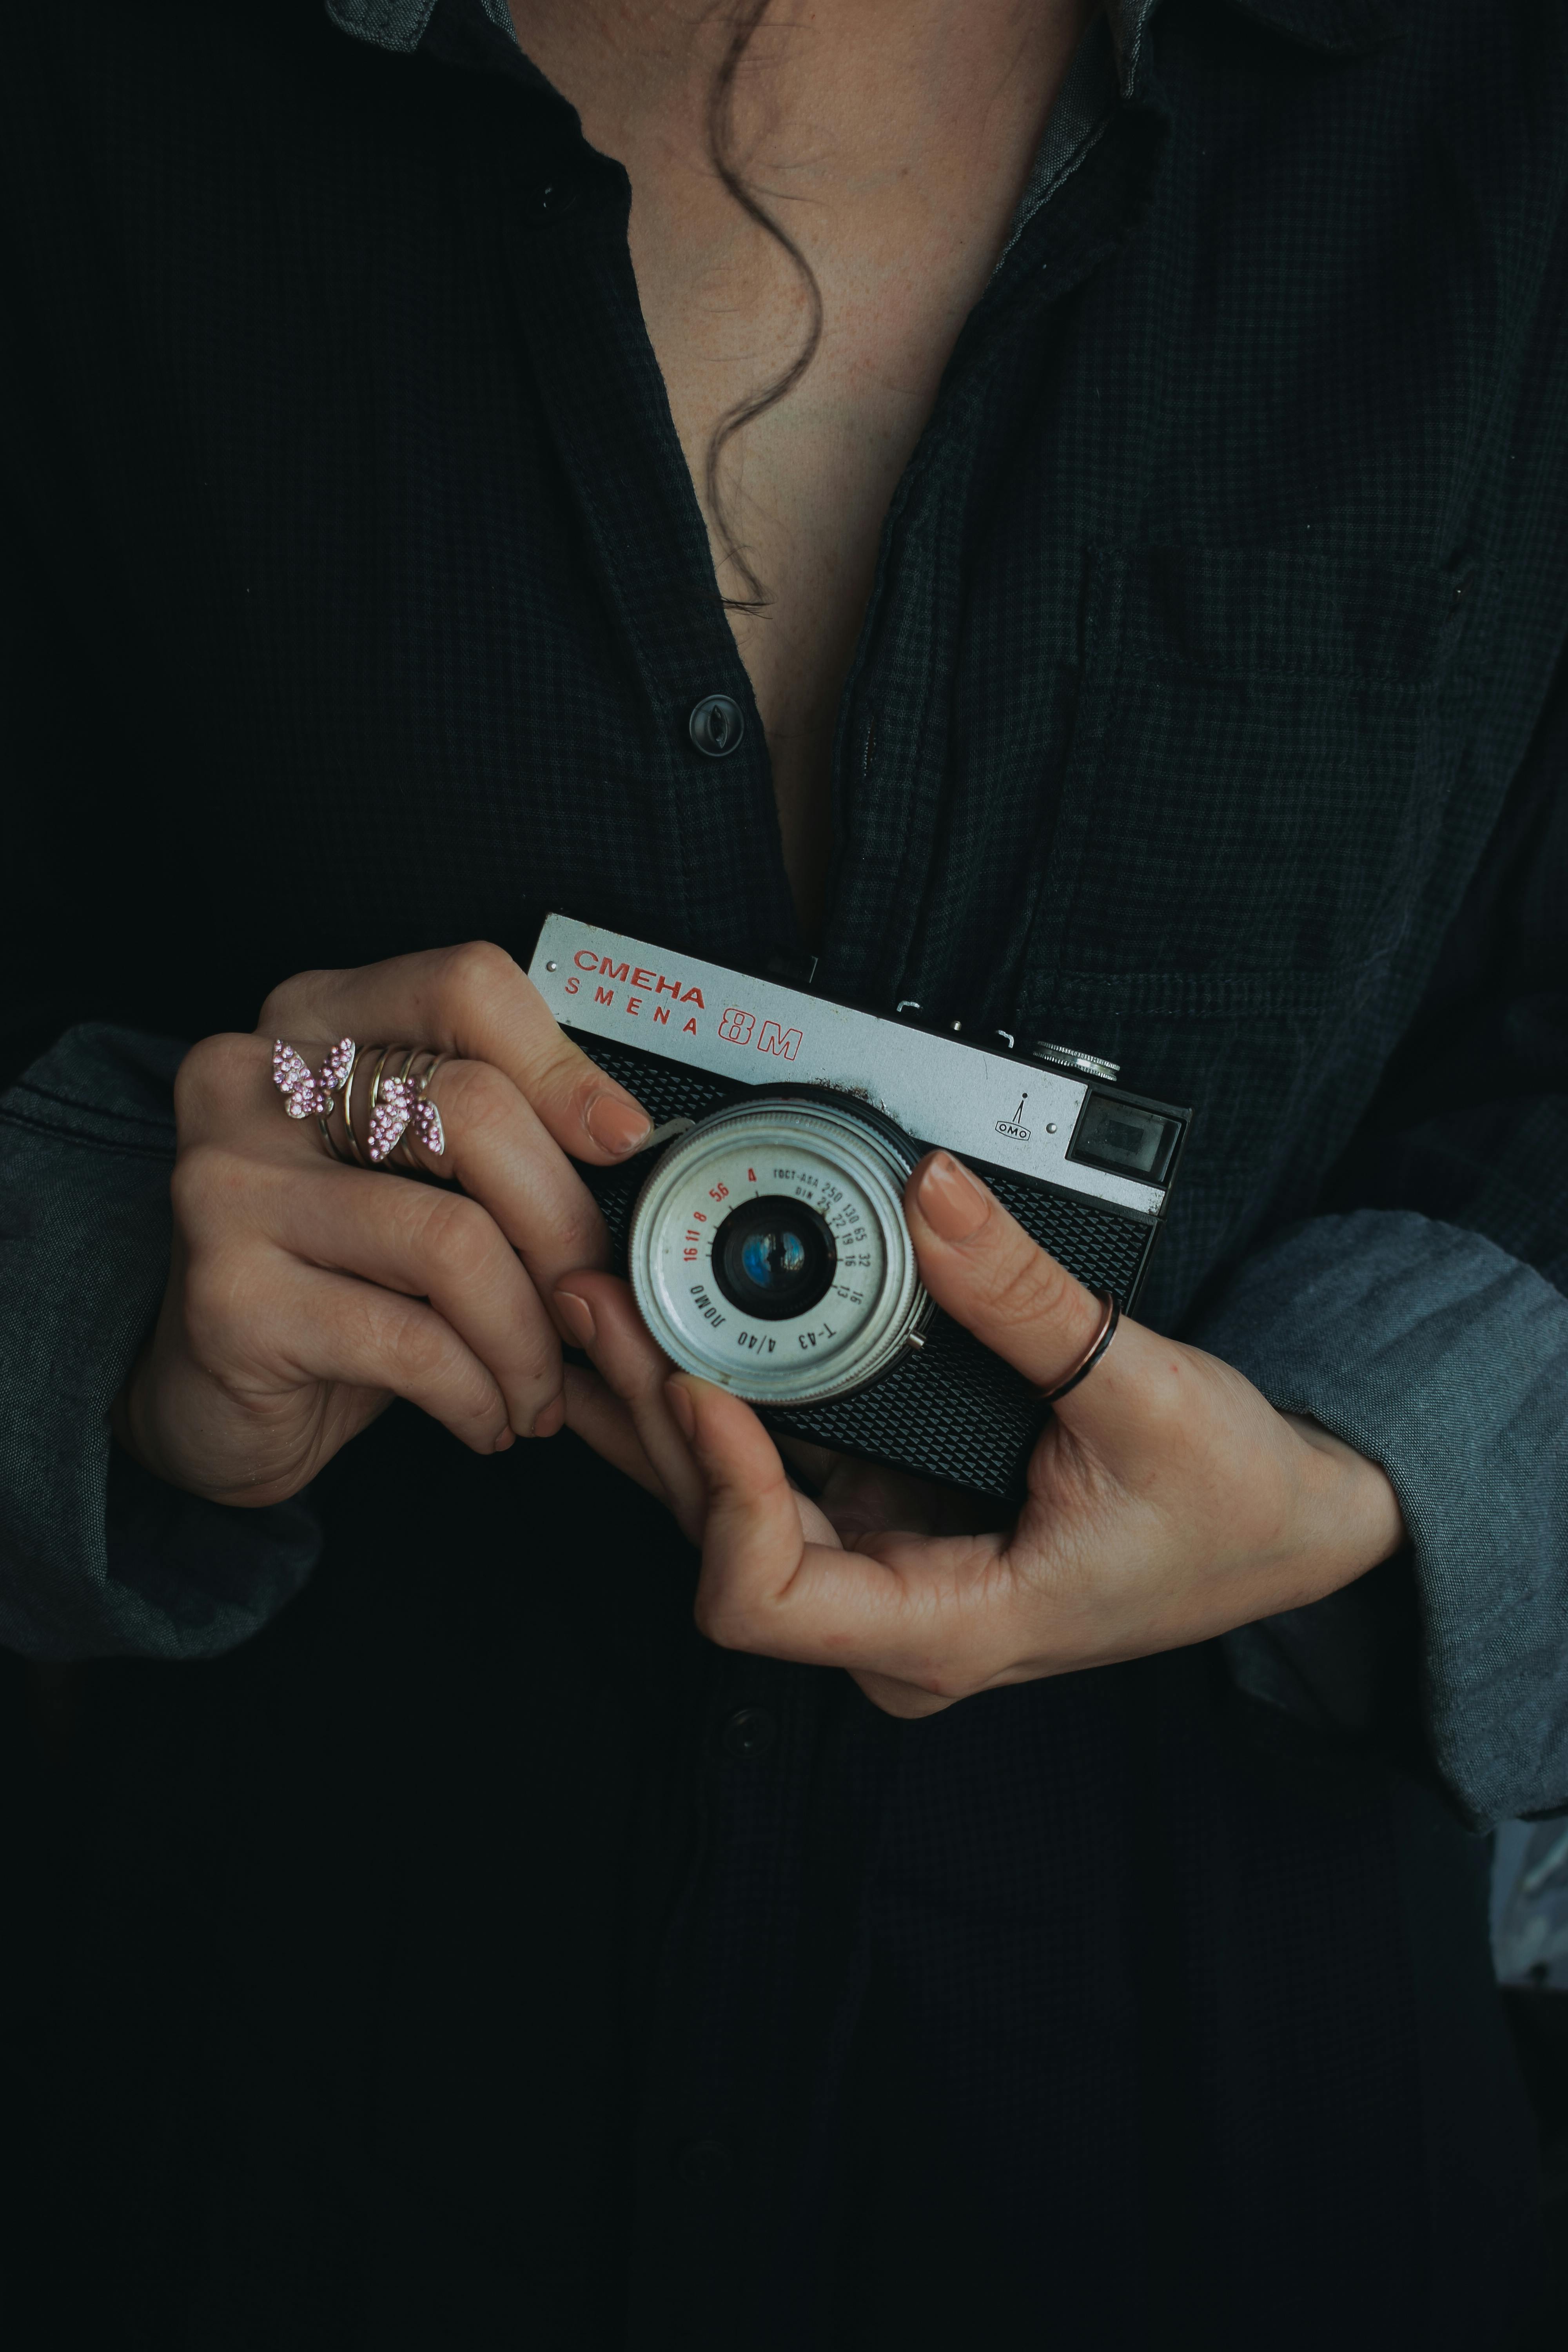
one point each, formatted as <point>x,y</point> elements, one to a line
<point>1028,1288</point>
<point>575,1075</point>
<point>569,1080</point>
<point>482,1102</point>
<point>724,1622</point>
<point>293,1002</point>
<point>417,1352</point>
<point>578,1233</point>
<point>217,1073</point>
<point>207,1187</point>
<point>459,1237</point>
<point>478,974</point>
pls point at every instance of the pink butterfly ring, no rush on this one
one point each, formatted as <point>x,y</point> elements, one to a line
<point>400,1106</point>
<point>305,1095</point>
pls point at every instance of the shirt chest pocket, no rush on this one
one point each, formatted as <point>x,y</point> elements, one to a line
<point>1264,746</point>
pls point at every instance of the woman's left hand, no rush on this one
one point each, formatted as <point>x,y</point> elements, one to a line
<point>1168,1501</point>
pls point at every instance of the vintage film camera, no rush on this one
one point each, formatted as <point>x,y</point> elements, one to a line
<point>765,1240</point>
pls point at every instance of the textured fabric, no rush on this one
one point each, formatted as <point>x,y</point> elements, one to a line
<point>1435,1353</point>
<point>355,598</point>
<point>399,24</point>
<point>1083,108</point>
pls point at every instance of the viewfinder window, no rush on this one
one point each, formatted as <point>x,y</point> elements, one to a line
<point>1128,1141</point>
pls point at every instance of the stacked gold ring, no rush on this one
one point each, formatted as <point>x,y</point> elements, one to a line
<point>393,1107</point>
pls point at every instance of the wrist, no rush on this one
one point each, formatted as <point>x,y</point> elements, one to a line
<point>126,1417</point>
<point>1354,1515</point>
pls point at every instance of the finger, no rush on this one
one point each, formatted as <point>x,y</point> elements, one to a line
<point>813,1465</point>
<point>602,1422</point>
<point>431,1245</point>
<point>323,1326</point>
<point>476,1003</point>
<point>224,1092</point>
<point>905,1700</point>
<point>979,1264</point>
<point>601,1315</point>
<point>496,1147</point>
<point>499,1150</point>
<point>865,1500</point>
<point>767,1589</point>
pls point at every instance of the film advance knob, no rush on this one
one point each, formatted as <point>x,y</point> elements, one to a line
<point>1067,1057</point>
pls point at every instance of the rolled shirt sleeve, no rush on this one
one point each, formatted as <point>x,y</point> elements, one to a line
<point>1443,1359</point>
<point>98,1557</point>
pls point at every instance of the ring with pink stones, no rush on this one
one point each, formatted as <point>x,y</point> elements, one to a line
<point>396,1111</point>
<point>400,1107</point>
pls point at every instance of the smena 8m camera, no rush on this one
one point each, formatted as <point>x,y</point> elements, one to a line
<point>765,1241</point>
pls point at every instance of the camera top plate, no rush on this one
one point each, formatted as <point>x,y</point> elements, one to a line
<point>1001,1109</point>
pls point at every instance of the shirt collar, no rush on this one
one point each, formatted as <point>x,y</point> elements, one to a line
<point>399,24</point>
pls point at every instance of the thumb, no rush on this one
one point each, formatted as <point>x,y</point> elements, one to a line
<point>753,1540</point>
<point>985,1271</point>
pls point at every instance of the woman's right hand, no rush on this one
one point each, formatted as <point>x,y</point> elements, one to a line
<point>303,1295</point>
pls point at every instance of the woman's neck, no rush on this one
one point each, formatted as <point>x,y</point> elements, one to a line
<point>891,141</point>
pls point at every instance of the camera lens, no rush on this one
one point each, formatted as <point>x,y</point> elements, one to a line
<point>773,1257</point>
<point>768,1249</point>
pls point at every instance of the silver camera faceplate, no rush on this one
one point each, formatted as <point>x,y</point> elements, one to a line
<point>755,1032</point>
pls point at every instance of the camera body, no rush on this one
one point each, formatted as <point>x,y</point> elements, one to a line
<point>762,1227</point>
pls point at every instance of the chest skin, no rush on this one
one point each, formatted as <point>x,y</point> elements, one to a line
<point>892,146</point>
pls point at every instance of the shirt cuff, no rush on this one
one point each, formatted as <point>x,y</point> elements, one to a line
<point>1444,1359</point>
<point>99,1559</point>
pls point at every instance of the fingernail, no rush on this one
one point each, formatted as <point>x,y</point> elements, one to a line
<point>549,1418</point>
<point>680,1402</point>
<point>503,1441</point>
<point>577,1315</point>
<point>952,1204</point>
<point>616,1124</point>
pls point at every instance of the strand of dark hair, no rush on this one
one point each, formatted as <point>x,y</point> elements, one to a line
<point>748,15</point>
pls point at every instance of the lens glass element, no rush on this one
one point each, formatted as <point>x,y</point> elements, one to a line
<point>774,1257</point>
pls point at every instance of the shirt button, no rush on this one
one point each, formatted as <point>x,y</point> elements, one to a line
<point>703,2164</point>
<point>716,725</point>
<point>749,1731</point>
<point>557,198</point>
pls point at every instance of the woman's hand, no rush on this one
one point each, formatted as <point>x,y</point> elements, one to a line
<point>303,1296</point>
<point>1168,1501</point>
